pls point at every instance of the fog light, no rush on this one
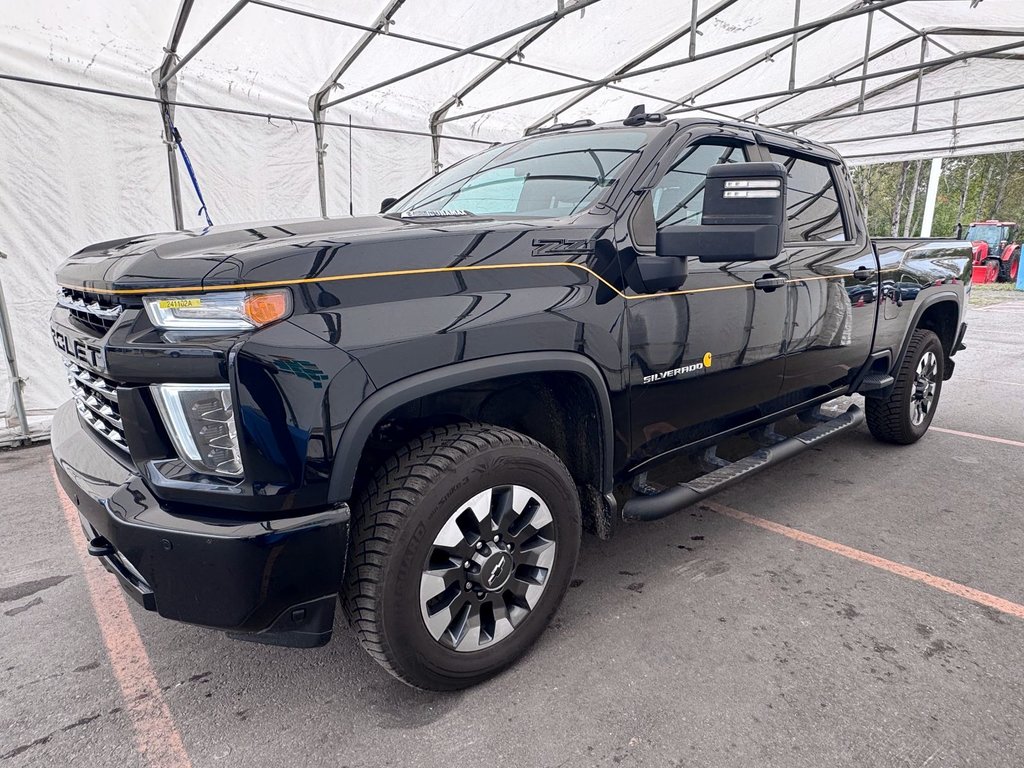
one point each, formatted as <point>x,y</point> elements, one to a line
<point>201,424</point>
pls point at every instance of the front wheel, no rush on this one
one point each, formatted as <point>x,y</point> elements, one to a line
<point>463,546</point>
<point>904,416</point>
<point>994,270</point>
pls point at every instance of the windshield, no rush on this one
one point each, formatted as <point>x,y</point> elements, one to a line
<point>546,176</point>
<point>988,233</point>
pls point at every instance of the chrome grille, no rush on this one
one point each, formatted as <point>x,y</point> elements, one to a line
<point>95,313</point>
<point>96,401</point>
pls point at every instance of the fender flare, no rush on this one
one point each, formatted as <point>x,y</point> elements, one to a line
<point>946,295</point>
<point>386,399</point>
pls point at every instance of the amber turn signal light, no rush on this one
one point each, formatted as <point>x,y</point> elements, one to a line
<point>263,308</point>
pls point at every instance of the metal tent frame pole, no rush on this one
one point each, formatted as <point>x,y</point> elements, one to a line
<point>926,36</point>
<point>920,132</point>
<point>166,90</point>
<point>438,114</point>
<point>917,31</point>
<point>755,61</point>
<point>164,77</point>
<point>896,107</point>
<point>17,383</point>
<point>947,151</point>
<point>513,56</point>
<point>793,45</point>
<point>860,105</point>
<point>515,62</point>
<point>555,16</point>
<point>793,93</point>
<point>853,65</point>
<point>690,28</point>
<point>316,101</point>
<point>867,59</point>
<point>228,110</point>
<point>214,31</point>
<point>934,63</point>
<point>639,72</point>
<point>165,80</point>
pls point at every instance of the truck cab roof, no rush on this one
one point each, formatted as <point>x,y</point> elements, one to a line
<point>659,122</point>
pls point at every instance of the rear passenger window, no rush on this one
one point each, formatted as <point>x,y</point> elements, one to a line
<point>811,200</point>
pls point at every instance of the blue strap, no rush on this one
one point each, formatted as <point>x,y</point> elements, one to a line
<point>191,172</point>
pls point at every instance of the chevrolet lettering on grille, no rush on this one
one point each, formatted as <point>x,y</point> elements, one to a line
<point>78,349</point>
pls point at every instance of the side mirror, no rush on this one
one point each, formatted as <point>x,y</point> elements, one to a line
<point>386,203</point>
<point>744,216</point>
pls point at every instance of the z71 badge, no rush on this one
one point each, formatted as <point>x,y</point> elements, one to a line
<point>562,247</point>
<point>703,364</point>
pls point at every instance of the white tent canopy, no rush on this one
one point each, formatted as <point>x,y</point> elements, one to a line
<point>291,108</point>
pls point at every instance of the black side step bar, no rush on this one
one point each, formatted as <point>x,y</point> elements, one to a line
<point>663,504</point>
<point>876,384</point>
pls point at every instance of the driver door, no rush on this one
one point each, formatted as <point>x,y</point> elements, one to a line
<point>708,353</point>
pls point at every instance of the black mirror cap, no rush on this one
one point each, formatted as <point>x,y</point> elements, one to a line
<point>722,242</point>
<point>744,216</point>
<point>386,203</point>
<point>745,193</point>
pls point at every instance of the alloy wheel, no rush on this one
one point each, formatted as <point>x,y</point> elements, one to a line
<point>487,568</point>
<point>925,384</point>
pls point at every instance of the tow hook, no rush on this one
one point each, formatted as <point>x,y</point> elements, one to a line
<point>100,547</point>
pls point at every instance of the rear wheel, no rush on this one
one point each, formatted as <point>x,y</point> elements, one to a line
<point>463,546</point>
<point>905,415</point>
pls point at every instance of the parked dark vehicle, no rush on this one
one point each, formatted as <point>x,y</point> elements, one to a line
<point>419,411</point>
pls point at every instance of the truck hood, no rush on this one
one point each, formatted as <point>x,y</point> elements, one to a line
<point>288,250</point>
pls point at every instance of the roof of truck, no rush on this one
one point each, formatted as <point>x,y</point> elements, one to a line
<point>781,138</point>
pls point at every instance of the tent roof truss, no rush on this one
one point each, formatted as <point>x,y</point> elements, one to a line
<point>581,87</point>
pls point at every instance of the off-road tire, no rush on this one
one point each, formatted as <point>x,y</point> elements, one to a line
<point>1008,269</point>
<point>395,520</point>
<point>889,418</point>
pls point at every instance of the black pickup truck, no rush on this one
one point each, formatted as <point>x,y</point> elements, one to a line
<point>419,412</point>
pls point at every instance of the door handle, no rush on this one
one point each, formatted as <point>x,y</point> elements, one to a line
<point>769,283</point>
<point>863,273</point>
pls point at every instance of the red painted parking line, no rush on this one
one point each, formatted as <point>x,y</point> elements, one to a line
<point>987,438</point>
<point>156,737</point>
<point>945,585</point>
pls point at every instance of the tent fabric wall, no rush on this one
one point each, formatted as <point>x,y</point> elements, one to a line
<point>77,168</point>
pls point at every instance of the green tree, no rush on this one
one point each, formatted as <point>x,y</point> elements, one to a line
<point>970,189</point>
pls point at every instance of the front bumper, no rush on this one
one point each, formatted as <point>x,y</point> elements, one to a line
<point>273,581</point>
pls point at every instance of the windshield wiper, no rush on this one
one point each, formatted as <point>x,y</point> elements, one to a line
<point>430,214</point>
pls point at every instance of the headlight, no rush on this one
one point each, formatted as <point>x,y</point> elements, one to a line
<point>229,311</point>
<point>202,425</point>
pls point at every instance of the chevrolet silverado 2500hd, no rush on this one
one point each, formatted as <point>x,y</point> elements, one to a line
<point>418,412</point>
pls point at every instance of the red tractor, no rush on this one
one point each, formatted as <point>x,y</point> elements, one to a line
<point>996,251</point>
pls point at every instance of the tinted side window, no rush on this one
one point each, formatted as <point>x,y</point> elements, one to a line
<point>811,200</point>
<point>679,196</point>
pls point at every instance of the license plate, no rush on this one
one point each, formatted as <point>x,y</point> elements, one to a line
<point>78,350</point>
